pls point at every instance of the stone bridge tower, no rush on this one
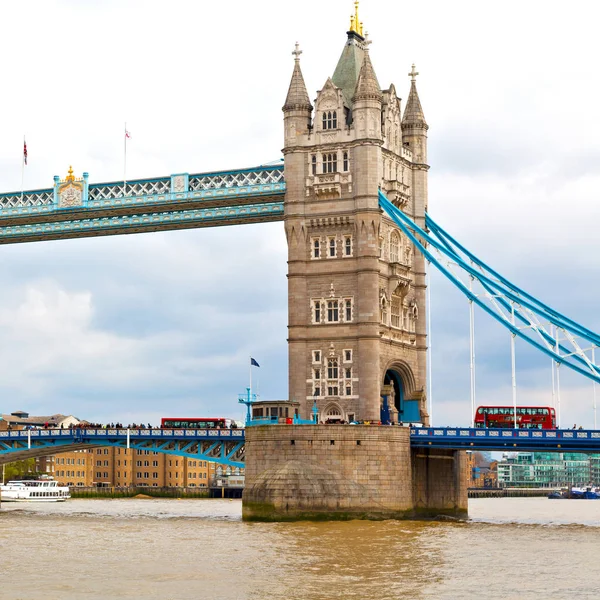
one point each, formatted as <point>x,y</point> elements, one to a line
<point>357,330</point>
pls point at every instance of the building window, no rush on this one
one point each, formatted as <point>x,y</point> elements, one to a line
<point>138,475</point>
<point>155,463</point>
<point>316,358</point>
<point>348,311</point>
<point>348,390</point>
<point>330,119</point>
<point>381,247</point>
<point>394,247</point>
<point>332,368</point>
<point>333,311</point>
<point>348,245</point>
<point>316,248</point>
<point>347,355</point>
<point>332,247</point>
<point>317,311</point>
<point>332,390</point>
<point>138,463</point>
<point>329,163</point>
<point>345,159</point>
<point>154,475</point>
<point>98,463</point>
<point>348,373</point>
<point>317,391</point>
<point>317,374</point>
<point>146,475</point>
<point>146,463</point>
<point>313,162</point>
<point>396,312</point>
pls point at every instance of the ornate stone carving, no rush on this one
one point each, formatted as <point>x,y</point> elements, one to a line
<point>70,191</point>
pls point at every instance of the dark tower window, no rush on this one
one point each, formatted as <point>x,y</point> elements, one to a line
<point>330,119</point>
<point>332,369</point>
<point>345,161</point>
<point>314,164</point>
<point>333,312</point>
<point>329,163</point>
<point>348,311</point>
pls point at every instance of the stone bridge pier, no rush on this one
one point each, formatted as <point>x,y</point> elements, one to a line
<point>340,472</point>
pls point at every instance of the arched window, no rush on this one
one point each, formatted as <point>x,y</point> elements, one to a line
<point>330,119</point>
<point>316,248</point>
<point>394,247</point>
<point>317,312</point>
<point>332,368</point>
<point>348,315</point>
<point>345,163</point>
<point>314,164</point>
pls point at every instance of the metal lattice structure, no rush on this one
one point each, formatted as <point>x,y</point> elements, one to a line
<point>559,337</point>
<point>225,447</point>
<point>76,208</point>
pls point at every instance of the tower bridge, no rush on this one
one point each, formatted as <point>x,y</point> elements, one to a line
<point>353,196</point>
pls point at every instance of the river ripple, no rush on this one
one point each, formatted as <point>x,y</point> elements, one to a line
<point>187,549</point>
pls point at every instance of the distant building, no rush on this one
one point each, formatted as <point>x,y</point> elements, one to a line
<point>549,469</point>
<point>21,419</point>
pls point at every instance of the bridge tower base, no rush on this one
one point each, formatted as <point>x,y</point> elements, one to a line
<point>341,472</point>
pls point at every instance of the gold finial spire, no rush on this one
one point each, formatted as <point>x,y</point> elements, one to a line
<point>355,23</point>
<point>70,176</point>
<point>413,74</point>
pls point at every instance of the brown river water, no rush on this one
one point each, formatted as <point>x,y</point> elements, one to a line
<point>194,549</point>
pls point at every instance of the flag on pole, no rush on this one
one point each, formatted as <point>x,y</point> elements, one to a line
<point>253,363</point>
<point>24,152</point>
<point>127,134</point>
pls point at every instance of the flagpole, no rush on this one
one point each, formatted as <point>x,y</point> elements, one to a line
<point>125,161</point>
<point>250,376</point>
<point>23,168</point>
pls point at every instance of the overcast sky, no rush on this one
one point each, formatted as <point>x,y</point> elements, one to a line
<point>142,326</point>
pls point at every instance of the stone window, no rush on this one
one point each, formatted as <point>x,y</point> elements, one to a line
<point>316,356</point>
<point>348,245</point>
<point>331,245</point>
<point>333,311</point>
<point>348,307</point>
<point>317,311</point>
<point>348,389</point>
<point>345,162</point>
<point>349,373</point>
<point>330,119</point>
<point>329,163</point>
<point>317,374</point>
<point>316,248</point>
<point>332,390</point>
<point>381,247</point>
<point>347,355</point>
<point>313,162</point>
<point>396,312</point>
<point>317,391</point>
<point>332,368</point>
<point>394,247</point>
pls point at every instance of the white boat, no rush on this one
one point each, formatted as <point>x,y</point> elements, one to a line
<point>34,490</point>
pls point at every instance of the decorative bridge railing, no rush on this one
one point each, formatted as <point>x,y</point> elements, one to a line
<point>548,440</point>
<point>223,446</point>
<point>76,208</point>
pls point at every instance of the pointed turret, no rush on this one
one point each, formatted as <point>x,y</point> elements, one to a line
<point>414,126</point>
<point>297,109</point>
<point>297,96</point>
<point>367,86</point>
<point>413,113</point>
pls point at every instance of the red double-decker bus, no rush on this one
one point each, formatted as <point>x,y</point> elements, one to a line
<point>197,423</point>
<point>528,417</point>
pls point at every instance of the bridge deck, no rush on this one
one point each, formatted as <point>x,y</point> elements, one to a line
<point>538,440</point>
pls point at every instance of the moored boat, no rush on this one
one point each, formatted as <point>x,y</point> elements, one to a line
<point>34,490</point>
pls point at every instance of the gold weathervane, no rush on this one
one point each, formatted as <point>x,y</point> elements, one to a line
<point>70,176</point>
<point>355,24</point>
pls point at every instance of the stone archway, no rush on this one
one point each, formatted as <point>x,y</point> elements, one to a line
<point>398,387</point>
<point>333,414</point>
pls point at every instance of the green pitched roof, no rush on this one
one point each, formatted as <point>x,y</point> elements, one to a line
<point>348,67</point>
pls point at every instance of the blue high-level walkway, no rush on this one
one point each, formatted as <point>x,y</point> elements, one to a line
<point>222,446</point>
<point>73,207</point>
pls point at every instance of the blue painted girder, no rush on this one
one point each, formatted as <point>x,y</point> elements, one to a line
<point>546,440</point>
<point>224,447</point>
